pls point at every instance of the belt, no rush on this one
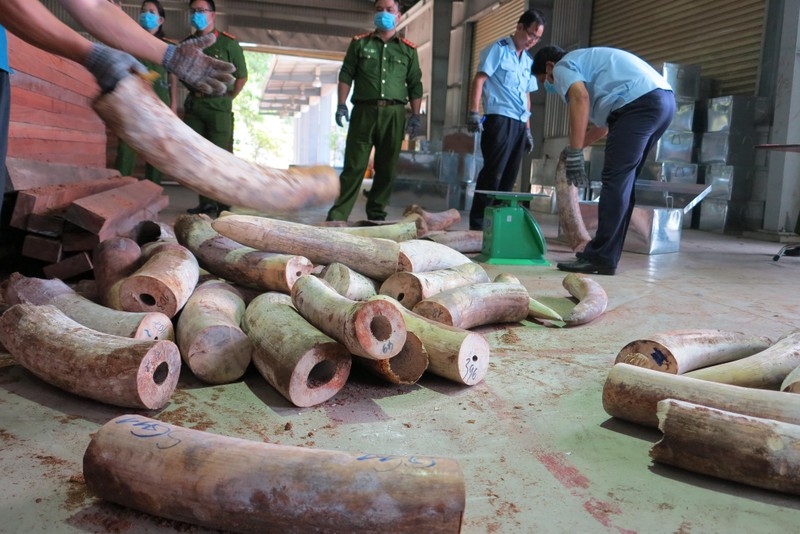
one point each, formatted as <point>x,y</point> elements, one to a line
<point>381,102</point>
<point>197,94</point>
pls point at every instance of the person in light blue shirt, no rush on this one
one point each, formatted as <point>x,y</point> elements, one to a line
<point>508,80</point>
<point>5,109</point>
<point>503,84</point>
<point>624,98</point>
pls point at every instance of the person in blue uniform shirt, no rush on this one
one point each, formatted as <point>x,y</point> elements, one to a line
<point>625,99</point>
<point>504,83</point>
<point>5,109</point>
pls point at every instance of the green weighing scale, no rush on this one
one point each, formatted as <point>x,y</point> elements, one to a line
<point>511,235</point>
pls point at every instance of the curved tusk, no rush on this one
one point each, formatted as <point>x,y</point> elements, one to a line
<point>135,114</point>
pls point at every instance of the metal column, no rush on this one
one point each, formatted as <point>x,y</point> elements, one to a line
<point>783,189</point>
<point>442,16</point>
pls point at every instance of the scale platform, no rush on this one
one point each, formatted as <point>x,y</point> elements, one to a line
<point>511,236</point>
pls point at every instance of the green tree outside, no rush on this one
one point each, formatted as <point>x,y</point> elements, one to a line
<point>260,138</point>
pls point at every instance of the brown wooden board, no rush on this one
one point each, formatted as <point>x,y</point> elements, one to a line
<point>41,248</point>
<point>46,225</point>
<point>77,240</point>
<point>127,226</point>
<point>25,58</point>
<point>44,200</point>
<point>62,151</point>
<point>69,267</point>
<point>25,132</point>
<point>26,174</point>
<point>31,108</point>
<point>51,118</point>
<point>52,87</point>
<point>102,210</point>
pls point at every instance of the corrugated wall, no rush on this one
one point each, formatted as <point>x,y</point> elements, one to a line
<point>566,31</point>
<point>419,31</point>
<point>724,37</point>
<point>499,23</point>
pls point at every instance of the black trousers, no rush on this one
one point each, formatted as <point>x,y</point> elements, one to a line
<point>502,146</point>
<point>632,131</point>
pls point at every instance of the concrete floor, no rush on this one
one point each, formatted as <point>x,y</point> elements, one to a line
<point>537,450</point>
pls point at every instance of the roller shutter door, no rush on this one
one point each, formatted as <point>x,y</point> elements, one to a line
<point>499,23</point>
<point>724,37</point>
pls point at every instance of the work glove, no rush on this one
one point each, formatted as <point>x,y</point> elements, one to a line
<point>412,126</point>
<point>528,141</point>
<point>474,122</point>
<point>206,74</point>
<point>342,113</point>
<point>576,171</point>
<point>110,65</point>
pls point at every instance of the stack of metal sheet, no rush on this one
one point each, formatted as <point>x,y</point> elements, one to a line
<point>678,142</point>
<point>727,158</point>
<point>674,156</point>
<point>440,175</point>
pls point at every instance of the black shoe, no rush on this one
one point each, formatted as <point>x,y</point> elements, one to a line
<point>794,250</point>
<point>377,218</point>
<point>220,208</point>
<point>586,267</point>
<point>202,208</point>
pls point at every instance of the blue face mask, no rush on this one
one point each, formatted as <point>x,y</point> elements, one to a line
<point>385,21</point>
<point>550,88</point>
<point>148,21</point>
<point>198,20</point>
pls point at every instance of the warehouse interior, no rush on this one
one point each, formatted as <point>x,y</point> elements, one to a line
<point>536,448</point>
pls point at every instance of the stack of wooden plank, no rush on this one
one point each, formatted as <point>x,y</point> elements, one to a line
<point>67,210</point>
<point>51,114</point>
<point>66,200</point>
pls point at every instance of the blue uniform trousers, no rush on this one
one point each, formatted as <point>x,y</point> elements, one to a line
<point>502,146</point>
<point>632,131</point>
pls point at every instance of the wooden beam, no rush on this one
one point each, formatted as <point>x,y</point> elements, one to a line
<point>41,248</point>
<point>100,211</point>
<point>41,200</point>
<point>30,173</point>
<point>70,266</point>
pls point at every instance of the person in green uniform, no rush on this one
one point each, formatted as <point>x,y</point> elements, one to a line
<point>212,116</point>
<point>151,19</point>
<point>384,70</point>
